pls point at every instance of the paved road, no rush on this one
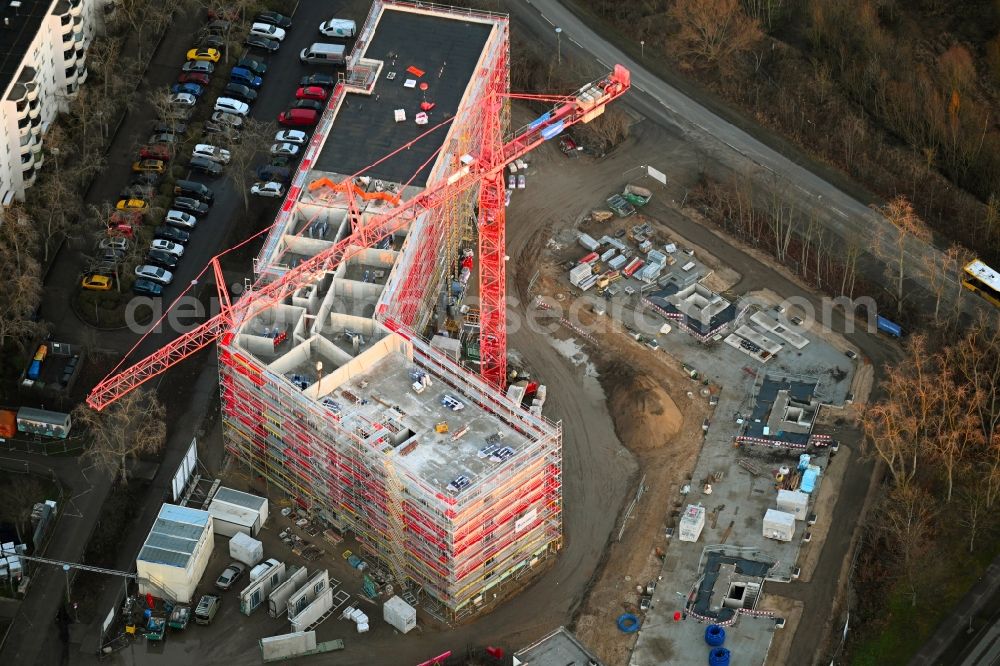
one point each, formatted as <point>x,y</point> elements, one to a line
<point>848,218</point>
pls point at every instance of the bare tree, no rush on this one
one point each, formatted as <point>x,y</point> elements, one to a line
<point>18,495</point>
<point>254,136</point>
<point>22,291</point>
<point>714,30</point>
<point>131,427</point>
<point>903,518</point>
<point>892,250</point>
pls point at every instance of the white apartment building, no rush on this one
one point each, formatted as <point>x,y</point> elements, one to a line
<point>43,49</point>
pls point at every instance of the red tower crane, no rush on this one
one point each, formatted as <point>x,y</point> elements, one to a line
<point>485,169</point>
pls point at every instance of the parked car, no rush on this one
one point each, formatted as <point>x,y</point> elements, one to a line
<point>210,55</point>
<point>262,43</point>
<point>298,118</point>
<point>172,234</point>
<point>157,166</point>
<point>200,78</point>
<point>851,354</point>
<point>230,105</point>
<point>180,218</point>
<point>146,178</point>
<point>185,211</point>
<point>154,273</point>
<point>231,134</point>
<point>96,282</point>
<point>255,66</point>
<point>268,30</point>
<point>245,77</point>
<point>280,174</point>
<point>322,80</point>
<point>155,152</point>
<point>198,66</point>
<point>280,161</point>
<point>169,128</point>
<point>120,244</point>
<point>218,27</point>
<point>167,246</point>
<point>131,204</point>
<point>122,217</point>
<point>240,92</point>
<point>144,287</point>
<point>183,99</point>
<point>214,153</point>
<point>338,28</point>
<point>189,88</point>
<point>269,189</point>
<point>289,149</point>
<point>310,104</point>
<point>230,575</point>
<point>311,92</point>
<point>206,166</point>
<point>211,41</point>
<point>166,137</point>
<point>291,136</point>
<point>225,118</point>
<point>274,18</point>
<point>162,259</point>
<point>137,191</point>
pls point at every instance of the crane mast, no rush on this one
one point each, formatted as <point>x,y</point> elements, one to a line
<point>485,169</point>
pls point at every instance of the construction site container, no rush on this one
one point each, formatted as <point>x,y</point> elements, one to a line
<point>656,257</point>
<point>779,525</point>
<point>287,646</point>
<point>794,502</point>
<point>617,262</point>
<point>646,245</point>
<point>234,511</point>
<point>649,273</point>
<point>632,267</point>
<point>579,273</point>
<point>246,549</point>
<point>589,258</point>
<point>589,282</point>
<point>588,242</point>
<point>176,553</point>
<point>399,614</point>
<point>606,256</point>
<point>692,523</point>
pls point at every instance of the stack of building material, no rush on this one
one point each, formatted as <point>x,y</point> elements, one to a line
<point>692,523</point>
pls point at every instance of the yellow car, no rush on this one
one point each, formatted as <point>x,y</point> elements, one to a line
<point>150,166</point>
<point>212,55</point>
<point>131,204</point>
<point>96,282</point>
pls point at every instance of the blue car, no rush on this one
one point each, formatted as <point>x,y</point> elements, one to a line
<point>143,287</point>
<point>245,77</point>
<point>189,88</point>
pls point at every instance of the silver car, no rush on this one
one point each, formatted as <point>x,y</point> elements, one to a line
<point>154,273</point>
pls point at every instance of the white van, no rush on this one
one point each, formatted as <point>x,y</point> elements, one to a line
<point>323,54</point>
<point>335,27</point>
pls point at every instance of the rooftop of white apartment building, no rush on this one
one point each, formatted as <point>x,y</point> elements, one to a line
<point>19,24</point>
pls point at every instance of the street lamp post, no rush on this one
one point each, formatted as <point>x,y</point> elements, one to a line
<point>642,48</point>
<point>559,46</point>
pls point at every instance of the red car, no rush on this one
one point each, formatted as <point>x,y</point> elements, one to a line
<point>298,118</point>
<point>126,218</point>
<point>311,92</point>
<point>200,78</point>
<point>157,152</point>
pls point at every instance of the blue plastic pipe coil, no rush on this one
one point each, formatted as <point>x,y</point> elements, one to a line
<point>718,657</point>
<point>715,635</point>
<point>629,623</point>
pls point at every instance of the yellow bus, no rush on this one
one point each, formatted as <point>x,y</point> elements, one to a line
<point>983,280</point>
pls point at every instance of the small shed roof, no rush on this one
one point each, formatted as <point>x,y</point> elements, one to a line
<point>174,536</point>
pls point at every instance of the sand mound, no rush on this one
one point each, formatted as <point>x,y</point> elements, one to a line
<point>645,416</point>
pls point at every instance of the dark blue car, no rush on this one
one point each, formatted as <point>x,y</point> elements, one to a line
<point>245,77</point>
<point>189,88</point>
<point>143,287</point>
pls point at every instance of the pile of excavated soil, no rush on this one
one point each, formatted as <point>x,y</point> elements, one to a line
<point>645,416</point>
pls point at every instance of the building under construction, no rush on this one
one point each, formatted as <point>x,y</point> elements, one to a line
<point>451,487</point>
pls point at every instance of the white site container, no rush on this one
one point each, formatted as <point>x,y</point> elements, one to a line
<point>779,525</point>
<point>580,273</point>
<point>399,614</point>
<point>588,242</point>
<point>246,549</point>
<point>692,523</point>
<point>794,502</point>
<point>362,628</point>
